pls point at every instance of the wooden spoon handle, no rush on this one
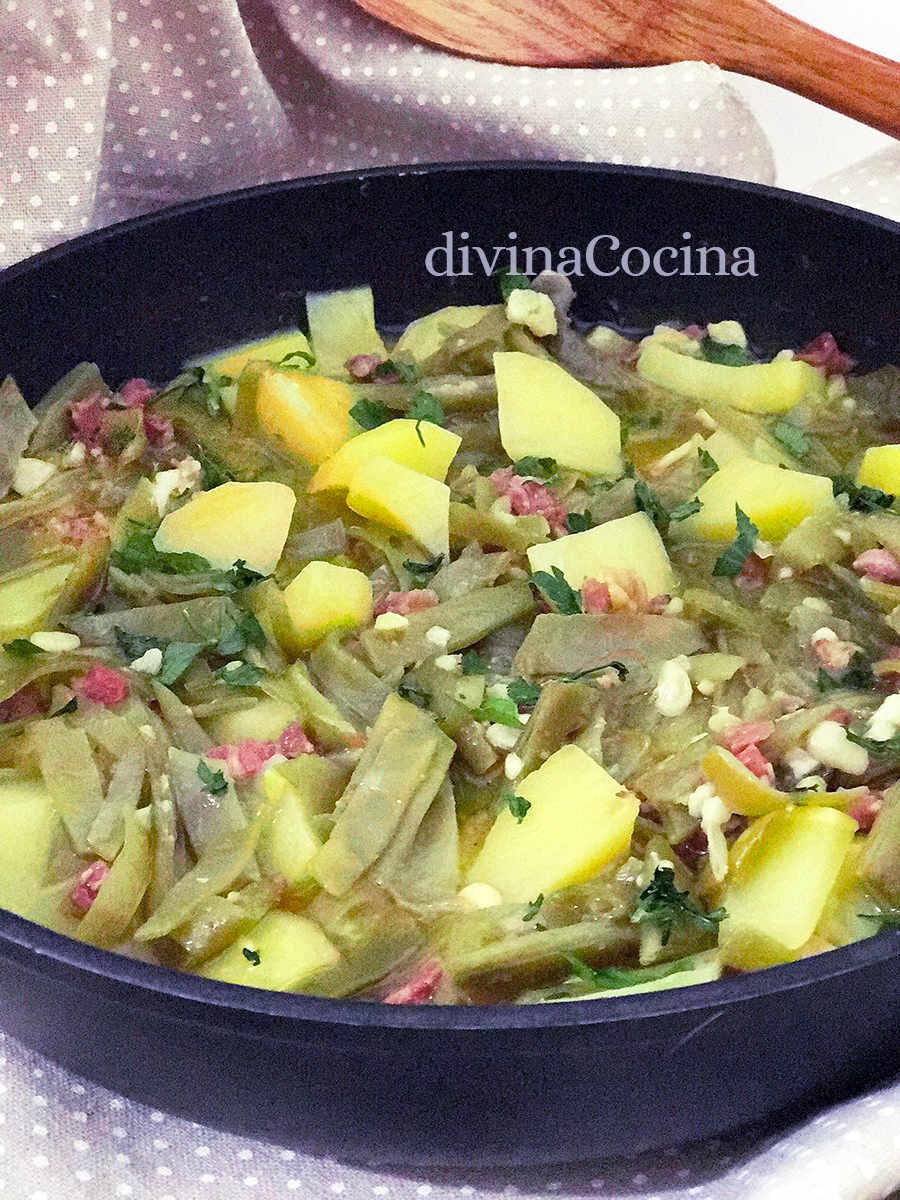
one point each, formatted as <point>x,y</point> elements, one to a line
<point>748,36</point>
<point>760,40</point>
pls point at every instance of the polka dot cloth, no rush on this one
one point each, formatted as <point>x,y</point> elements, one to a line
<point>873,184</point>
<point>61,1138</point>
<point>109,108</point>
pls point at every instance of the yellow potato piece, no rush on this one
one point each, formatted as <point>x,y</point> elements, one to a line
<point>420,445</point>
<point>547,413</point>
<point>579,820</point>
<point>402,499</point>
<point>342,325</point>
<point>282,951</point>
<point>781,873</point>
<point>760,387</point>
<point>309,413</point>
<point>28,825</point>
<point>607,551</point>
<point>880,468</point>
<point>774,499</point>
<point>325,596</point>
<point>248,521</point>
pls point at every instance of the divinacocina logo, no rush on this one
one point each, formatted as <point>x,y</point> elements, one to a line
<point>603,255</point>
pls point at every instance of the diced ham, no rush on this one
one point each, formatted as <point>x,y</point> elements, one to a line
<point>404,603</point>
<point>692,849</point>
<point>362,366</point>
<point>84,893</point>
<point>26,702</point>
<point>753,574</point>
<point>823,352</point>
<point>293,742</point>
<point>78,530</point>
<point>879,565</point>
<point>833,653</point>
<point>697,332</point>
<point>86,419</point>
<point>420,989</point>
<point>840,716</point>
<point>865,810</point>
<point>103,685</point>
<point>135,393</point>
<point>247,758</point>
<point>743,741</point>
<point>159,432</point>
<point>595,597</point>
<point>527,497</point>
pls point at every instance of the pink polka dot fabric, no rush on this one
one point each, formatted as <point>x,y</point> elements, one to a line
<point>110,108</point>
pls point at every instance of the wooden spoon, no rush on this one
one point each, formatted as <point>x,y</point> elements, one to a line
<point>751,37</point>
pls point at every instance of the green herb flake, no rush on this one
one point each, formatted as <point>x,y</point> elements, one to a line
<point>647,501</point>
<point>22,648</point>
<point>426,407</point>
<point>540,469</point>
<point>612,978</point>
<point>861,497</point>
<point>579,522</point>
<point>240,674</point>
<point>791,438</point>
<point>252,956</point>
<point>663,905</point>
<point>681,512</point>
<point>422,572</point>
<point>214,781</point>
<point>534,907</point>
<point>473,664</point>
<point>724,354</point>
<point>389,369</point>
<point>243,633</point>
<point>296,360</point>
<point>134,645</point>
<point>509,281</point>
<point>369,414</point>
<point>591,672</point>
<point>176,658</point>
<point>889,747</point>
<point>857,677</point>
<point>731,561</point>
<point>499,710</point>
<point>518,806</point>
<point>523,694</point>
<point>410,690</point>
<point>708,464</point>
<point>558,591</point>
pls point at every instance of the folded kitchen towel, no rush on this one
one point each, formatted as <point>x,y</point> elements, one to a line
<point>110,108</point>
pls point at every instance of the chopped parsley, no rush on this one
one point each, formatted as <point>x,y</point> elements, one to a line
<point>518,806</point>
<point>243,633</point>
<point>508,281</point>
<point>176,656</point>
<point>199,385</point>
<point>856,677</point>
<point>422,572</point>
<point>724,354</point>
<point>610,978</point>
<point>499,711</point>
<point>558,591</point>
<point>791,438</point>
<point>306,360</point>
<point>137,554</point>
<point>369,414</point>
<point>523,694</point>
<point>214,781</point>
<point>663,905</point>
<point>252,956</point>
<point>425,407</point>
<point>707,463</point>
<point>649,502</point>
<point>534,907</point>
<point>540,469</point>
<point>22,648</point>
<point>579,522</point>
<point>861,497</point>
<point>890,746</point>
<point>731,561</point>
<point>389,369</point>
<point>473,663</point>
<point>241,674</point>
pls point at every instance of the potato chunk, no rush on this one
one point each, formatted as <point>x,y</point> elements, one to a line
<point>420,445</point>
<point>247,521</point>
<point>545,412</point>
<point>281,952</point>
<point>403,499</point>
<point>325,596</point>
<point>579,820</point>
<point>28,823</point>
<point>774,499</point>
<point>880,468</point>
<point>309,413</point>
<point>606,552</point>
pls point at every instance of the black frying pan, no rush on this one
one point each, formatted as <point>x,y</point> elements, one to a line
<point>467,1085</point>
